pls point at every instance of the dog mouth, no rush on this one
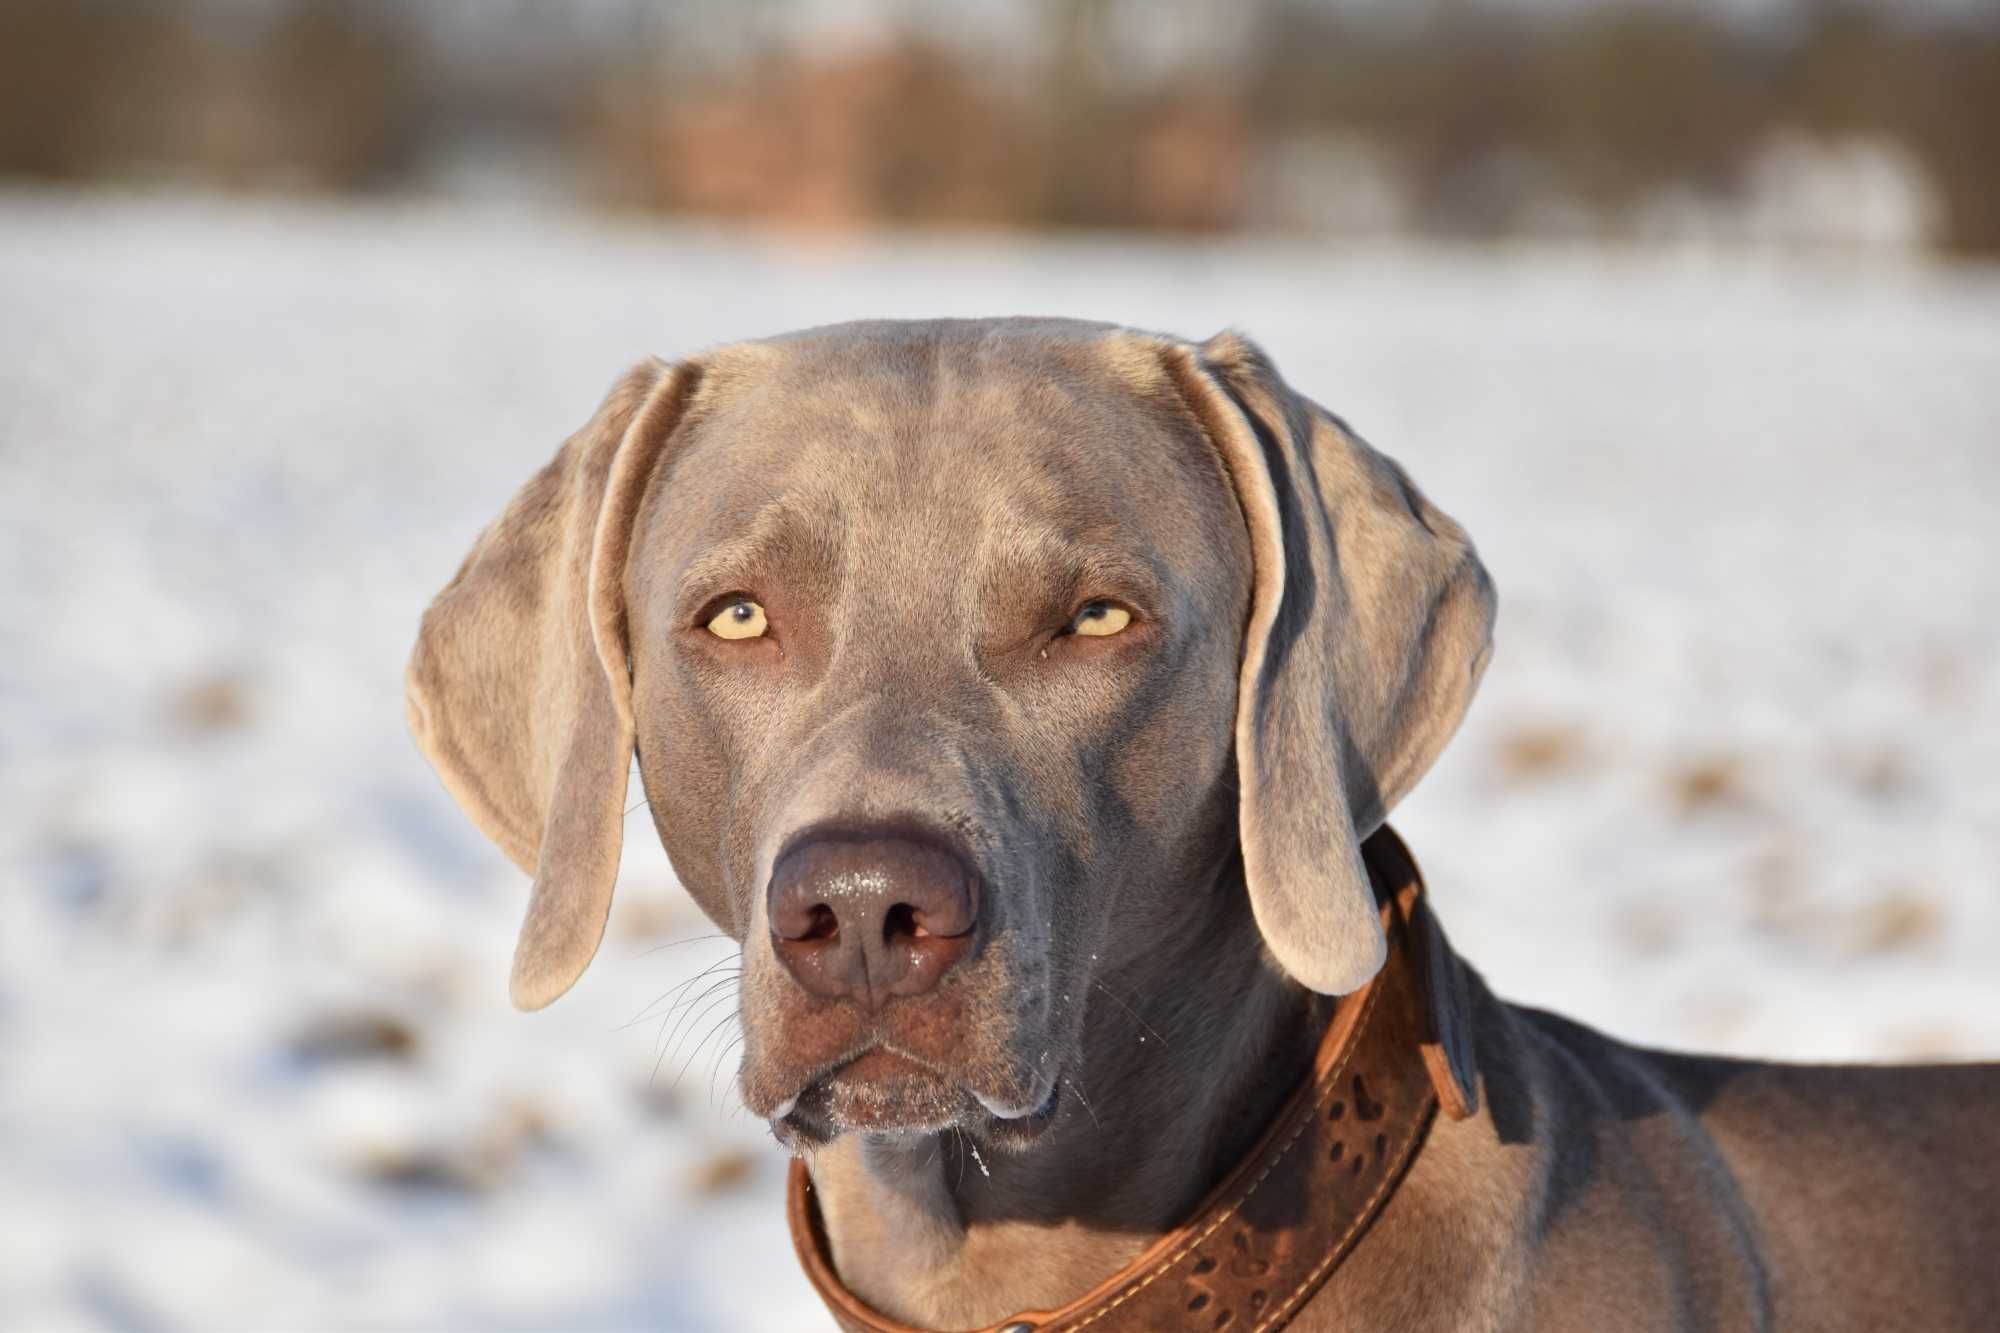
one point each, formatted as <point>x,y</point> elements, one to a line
<point>885,1091</point>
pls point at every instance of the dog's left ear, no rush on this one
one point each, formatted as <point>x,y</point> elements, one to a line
<point>1371,620</point>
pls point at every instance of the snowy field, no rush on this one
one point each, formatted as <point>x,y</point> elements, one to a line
<point>1734,780</point>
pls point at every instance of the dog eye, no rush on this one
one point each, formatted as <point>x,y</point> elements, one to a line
<point>741,619</point>
<point>1100,620</point>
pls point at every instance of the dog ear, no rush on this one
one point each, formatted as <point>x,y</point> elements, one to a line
<point>1371,620</point>
<point>519,690</point>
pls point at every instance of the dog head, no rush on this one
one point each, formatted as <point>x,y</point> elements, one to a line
<point>964,663</point>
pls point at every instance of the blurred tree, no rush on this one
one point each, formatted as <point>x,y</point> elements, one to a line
<point>1468,117</point>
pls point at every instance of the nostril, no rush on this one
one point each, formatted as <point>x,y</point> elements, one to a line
<point>821,923</point>
<point>905,921</point>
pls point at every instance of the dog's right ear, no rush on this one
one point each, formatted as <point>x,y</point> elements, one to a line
<point>519,691</point>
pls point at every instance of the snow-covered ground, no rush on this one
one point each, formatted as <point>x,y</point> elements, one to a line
<point>1734,781</point>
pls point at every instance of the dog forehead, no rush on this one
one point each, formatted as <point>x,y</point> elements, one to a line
<point>1059,420</point>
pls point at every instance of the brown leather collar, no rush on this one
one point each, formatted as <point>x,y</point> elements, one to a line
<point>1277,1226</point>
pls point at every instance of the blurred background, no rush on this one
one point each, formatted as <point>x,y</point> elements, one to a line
<point>1688,311</point>
<point>1817,123</point>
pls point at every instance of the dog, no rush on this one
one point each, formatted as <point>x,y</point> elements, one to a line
<point>1027,698</point>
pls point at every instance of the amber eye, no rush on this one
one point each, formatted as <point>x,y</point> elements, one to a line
<point>741,619</point>
<point>1100,620</point>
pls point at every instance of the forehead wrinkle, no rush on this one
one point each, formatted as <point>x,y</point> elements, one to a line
<point>1116,570</point>
<point>783,531</point>
<point>1064,494</point>
<point>1060,563</point>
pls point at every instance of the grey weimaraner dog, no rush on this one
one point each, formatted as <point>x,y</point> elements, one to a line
<point>1025,697</point>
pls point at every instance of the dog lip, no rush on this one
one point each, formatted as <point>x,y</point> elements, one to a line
<point>810,1114</point>
<point>1018,1133</point>
<point>861,1092</point>
<point>1002,1110</point>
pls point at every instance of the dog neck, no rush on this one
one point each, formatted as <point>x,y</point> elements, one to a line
<point>1175,1083</point>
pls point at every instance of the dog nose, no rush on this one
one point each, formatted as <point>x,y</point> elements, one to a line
<point>868,918</point>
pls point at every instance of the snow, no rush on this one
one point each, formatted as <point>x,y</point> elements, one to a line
<point>1733,782</point>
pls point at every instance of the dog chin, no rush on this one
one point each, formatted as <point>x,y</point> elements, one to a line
<point>885,1093</point>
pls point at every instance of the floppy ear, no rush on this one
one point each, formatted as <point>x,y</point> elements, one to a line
<point>520,691</point>
<point>1371,620</point>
